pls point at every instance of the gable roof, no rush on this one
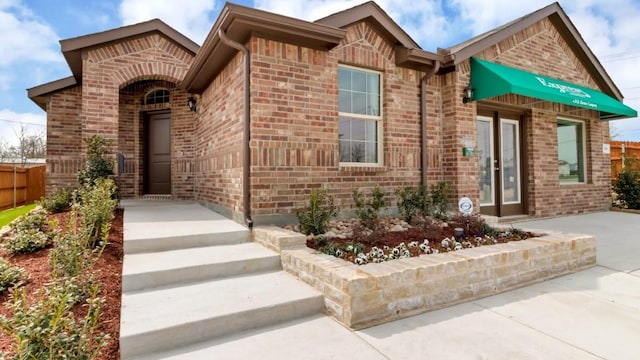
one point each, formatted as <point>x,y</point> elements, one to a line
<point>72,48</point>
<point>240,22</point>
<point>554,12</point>
<point>72,51</point>
<point>366,11</point>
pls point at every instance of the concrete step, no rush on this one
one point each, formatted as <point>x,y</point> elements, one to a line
<point>175,225</point>
<point>315,337</point>
<point>166,318</point>
<point>151,270</point>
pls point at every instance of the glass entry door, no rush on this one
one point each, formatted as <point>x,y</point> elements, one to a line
<point>500,179</point>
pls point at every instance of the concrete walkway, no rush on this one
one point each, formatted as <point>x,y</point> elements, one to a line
<point>593,314</point>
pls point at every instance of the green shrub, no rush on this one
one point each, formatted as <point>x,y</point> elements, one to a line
<point>26,241</point>
<point>48,329</point>
<point>98,165</point>
<point>96,209</point>
<point>72,254</point>
<point>627,184</point>
<point>412,202</point>
<point>368,209</point>
<point>439,204</point>
<point>10,275</point>
<point>57,202</point>
<point>34,220</point>
<point>315,216</point>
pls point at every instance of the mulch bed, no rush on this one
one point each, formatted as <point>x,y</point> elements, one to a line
<point>433,231</point>
<point>108,270</point>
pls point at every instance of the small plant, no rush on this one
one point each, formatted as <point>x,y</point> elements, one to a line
<point>48,329</point>
<point>315,216</point>
<point>368,210</point>
<point>74,252</point>
<point>9,275</point>
<point>331,249</point>
<point>627,184</point>
<point>439,205</point>
<point>472,225</point>
<point>98,165</point>
<point>57,202</point>
<point>413,201</point>
<point>26,241</point>
<point>97,209</point>
<point>34,220</point>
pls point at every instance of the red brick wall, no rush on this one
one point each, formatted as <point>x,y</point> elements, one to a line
<point>64,138</point>
<point>101,108</point>
<point>218,141</point>
<point>294,133</point>
<point>541,49</point>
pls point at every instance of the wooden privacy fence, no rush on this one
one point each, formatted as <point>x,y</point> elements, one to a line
<point>621,150</point>
<point>22,185</point>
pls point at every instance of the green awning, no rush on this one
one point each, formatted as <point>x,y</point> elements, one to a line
<point>490,79</point>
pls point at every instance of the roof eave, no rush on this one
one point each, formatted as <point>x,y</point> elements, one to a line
<point>416,59</point>
<point>38,94</point>
<point>239,23</point>
<point>72,48</point>
<point>462,52</point>
<point>370,10</point>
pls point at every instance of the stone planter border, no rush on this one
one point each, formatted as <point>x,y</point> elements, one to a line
<point>366,295</point>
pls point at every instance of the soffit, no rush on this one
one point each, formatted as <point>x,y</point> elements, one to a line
<point>38,94</point>
<point>240,23</point>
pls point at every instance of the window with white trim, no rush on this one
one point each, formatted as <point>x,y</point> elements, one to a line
<point>360,112</point>
<point>157,96</point>
<point>571,149</point>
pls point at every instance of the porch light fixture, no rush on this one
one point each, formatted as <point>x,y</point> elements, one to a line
<point>468,94</point>
<point>191,102</point>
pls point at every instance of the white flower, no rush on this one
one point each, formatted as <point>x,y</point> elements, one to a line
<point>395,251</point>
<point>349,248</point>
<point>362,256</point>
<point>458,247</point>
<point>380,253</point>
<point>413,245</point>
<point>339,253</point>
<point>406,253</point>
<point>360,261</point>
<point>386,248</point>
<point>445,243</point>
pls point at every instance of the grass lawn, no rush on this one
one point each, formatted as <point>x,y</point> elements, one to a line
<point>6,216</point>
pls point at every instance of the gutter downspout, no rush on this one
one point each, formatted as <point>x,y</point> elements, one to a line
<point>246,168</point>
<point>423,120</point>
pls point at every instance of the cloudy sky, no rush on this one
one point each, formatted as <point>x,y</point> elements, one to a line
<point>30,31</point>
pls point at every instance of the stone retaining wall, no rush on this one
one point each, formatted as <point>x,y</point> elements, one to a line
<point>366,295</point>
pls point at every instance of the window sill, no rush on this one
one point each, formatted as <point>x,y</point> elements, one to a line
<point>349,168</point>
<point>573,183</point>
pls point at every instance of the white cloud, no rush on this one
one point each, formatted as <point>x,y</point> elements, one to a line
<point>419,22</point>
<point>193,18</point>
<point>11,122</point>
<point>24,36</point>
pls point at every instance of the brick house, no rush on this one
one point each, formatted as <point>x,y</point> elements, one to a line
<point>515,119</point>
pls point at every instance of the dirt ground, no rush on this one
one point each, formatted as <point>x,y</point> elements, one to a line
<point>108,270</point>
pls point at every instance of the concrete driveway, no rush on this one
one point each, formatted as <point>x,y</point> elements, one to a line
<point>593,314</point>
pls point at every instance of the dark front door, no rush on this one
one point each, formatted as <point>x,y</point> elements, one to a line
<point>499,156</point>
<point>158,154</point>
